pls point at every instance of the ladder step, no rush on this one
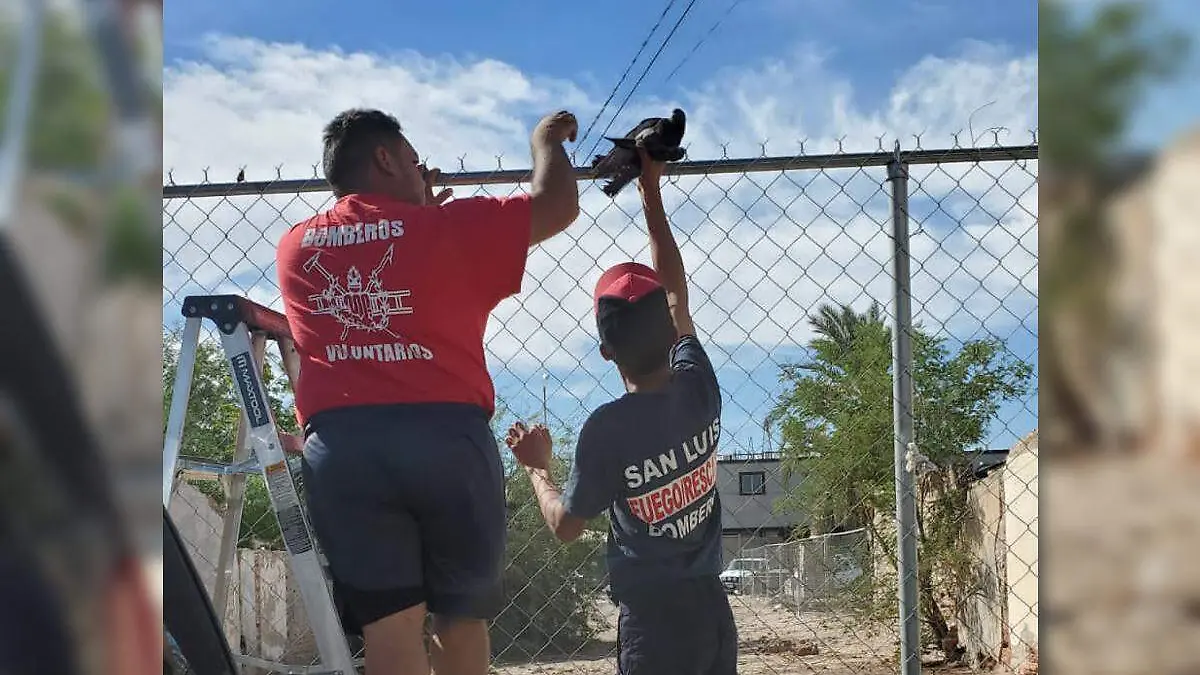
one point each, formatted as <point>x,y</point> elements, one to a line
<point>205,467</point>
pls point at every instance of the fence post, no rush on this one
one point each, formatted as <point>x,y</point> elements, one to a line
<point>902,392</point>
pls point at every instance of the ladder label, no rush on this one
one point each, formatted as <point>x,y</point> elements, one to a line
<point>295,532</point>
<point>279,484</point>
<point>247,382</point>
<point>287,508</point>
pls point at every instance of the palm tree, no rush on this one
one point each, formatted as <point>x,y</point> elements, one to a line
<point>840,324</point>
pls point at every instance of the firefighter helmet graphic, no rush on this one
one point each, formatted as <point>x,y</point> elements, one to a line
<point>357,305</point>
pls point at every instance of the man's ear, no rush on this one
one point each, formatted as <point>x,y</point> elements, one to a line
<point>605,353</point>
<point>384,161</point>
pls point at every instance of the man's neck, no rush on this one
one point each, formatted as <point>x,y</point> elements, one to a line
<point>651,383</point>
<point>374,195</point>
<point>368,192</point>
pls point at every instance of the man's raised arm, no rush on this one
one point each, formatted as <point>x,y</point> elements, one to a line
<point>664,252</point>
<point>554,192</point>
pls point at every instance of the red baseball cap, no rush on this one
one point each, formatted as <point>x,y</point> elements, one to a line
<point>628,281</point>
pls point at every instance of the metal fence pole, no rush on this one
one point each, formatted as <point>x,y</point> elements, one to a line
<point>906,508</point>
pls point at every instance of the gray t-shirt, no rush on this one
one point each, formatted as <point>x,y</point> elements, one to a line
<point>650,460</point>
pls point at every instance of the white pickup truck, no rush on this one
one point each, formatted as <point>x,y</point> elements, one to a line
<point>741,573</point>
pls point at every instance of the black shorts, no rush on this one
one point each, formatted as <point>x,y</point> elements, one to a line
<point>407,502</point>
<point>679,628</point>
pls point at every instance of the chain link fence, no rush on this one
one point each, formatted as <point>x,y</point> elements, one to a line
<point>811,573</point>
<point>790,267</point>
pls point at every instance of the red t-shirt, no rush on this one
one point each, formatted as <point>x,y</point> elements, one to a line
<point>388,301</point>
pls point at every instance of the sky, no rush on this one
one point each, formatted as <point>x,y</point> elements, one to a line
<point>1171,108</point>
<point>246,85</point>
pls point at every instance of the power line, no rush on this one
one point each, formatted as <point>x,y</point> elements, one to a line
<point>645,71</point>
<point>704,39</point>
<point>615,89</point>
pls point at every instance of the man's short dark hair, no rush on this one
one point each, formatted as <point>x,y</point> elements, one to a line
<point>350,140</point>
<point>637,335</point>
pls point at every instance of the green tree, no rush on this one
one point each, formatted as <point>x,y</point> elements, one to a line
<point>211,430</point>
<point>69,130</point>
<point>1092,73</point>
<point>840,324</point>
<point>551,589</point>
<point>836,420</point>
<point>1095,65</point>
<point>70,136</point>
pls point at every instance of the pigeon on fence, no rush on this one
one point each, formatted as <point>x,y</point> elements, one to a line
<point>660,136</point>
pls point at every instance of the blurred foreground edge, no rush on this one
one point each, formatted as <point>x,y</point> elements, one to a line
<point>1120,410</point>
<point>70,556</point>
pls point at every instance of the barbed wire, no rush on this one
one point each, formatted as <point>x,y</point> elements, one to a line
<point>175,187</point>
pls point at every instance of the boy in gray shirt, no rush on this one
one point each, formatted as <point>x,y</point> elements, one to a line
<point>649,460</point>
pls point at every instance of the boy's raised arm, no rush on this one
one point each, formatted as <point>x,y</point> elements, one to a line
<point>664,252</point>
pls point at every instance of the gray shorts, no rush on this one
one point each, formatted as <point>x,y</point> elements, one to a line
<point>407,502</point>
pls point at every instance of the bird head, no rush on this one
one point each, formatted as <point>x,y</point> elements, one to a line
<point>673,128</point>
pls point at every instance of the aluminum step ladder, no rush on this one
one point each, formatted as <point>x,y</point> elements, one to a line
<point>244,328</point>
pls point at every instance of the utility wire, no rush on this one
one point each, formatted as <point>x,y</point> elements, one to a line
<point>645,71</point>
<point>615,89</point>
<point>704,39</point>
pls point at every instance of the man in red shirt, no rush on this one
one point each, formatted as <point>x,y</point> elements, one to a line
<point>388,294</point>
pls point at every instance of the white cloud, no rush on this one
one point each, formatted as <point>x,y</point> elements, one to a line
<point>762,249</point>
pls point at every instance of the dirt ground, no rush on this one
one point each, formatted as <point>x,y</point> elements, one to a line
<point>772,641</point>
<point>1122,594</point>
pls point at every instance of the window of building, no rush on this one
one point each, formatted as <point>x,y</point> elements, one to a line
<point>752,483</point>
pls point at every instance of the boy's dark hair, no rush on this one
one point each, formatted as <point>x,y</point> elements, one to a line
<point>633,319</point>
<point>350,140</point>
